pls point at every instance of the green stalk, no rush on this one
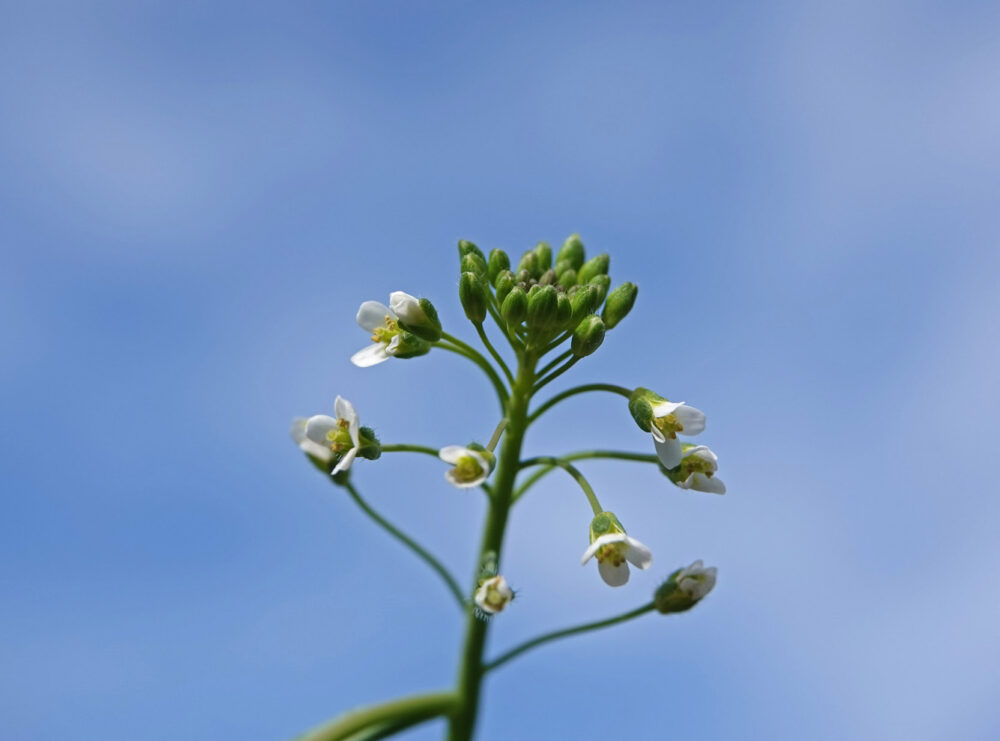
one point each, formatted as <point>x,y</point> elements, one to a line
<point>470,669</point>
<point>565,632</point>
<point>581,455</point>
<point>573,471</point>
<point>416,707</point>
<point>578,390</point>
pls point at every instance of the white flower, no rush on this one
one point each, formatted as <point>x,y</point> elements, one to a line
<point>697,470</point>
<point>335,436</point>
<point>493,595</point>
<point>612,551</point>
<point>314,450</point>
<point>382,322</point>
<point>669,419</point>
<point>407,308</point>
<point>471,467</point>
<point>696,581</point>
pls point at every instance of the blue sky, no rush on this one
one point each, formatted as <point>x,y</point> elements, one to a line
<point>196,197</point>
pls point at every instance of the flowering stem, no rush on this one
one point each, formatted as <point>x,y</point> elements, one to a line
<point>555,343</point>
<point>572,471</point>
<point>565,632</point>
<point>407,448</point>
<point>410,543</point>
<point>578,390</point>
<point>492,444</point>
<point>583,454</point>
<point>470,670</point>
<point>555,374</point>
<point>483,363</point>
<point>555,361</point>
<point>493,351</point>
<point>409,710</point>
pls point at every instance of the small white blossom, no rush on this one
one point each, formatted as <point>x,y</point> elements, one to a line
<point>669,419</point>
<point>407,308</point>
<point>470,466</point>
<point>493,595</point>
<point>695,580</point>
<point>613,550</point>
<point>697,470</point>
<point>338,435</point>
<point>382,322</point>
<point>314,450</point>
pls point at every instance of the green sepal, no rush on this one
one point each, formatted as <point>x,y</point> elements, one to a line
<point>430,328</point>
<point>572,252</point>
<point>619,303</point>
<point>604,523</point>
<point>491,459</point>
<point>503,283</point>
<point>567,278</point>
<point>564,311</point>
<point>584,300</point>
<point>472,294</point>
<point>603,283</point>
<point>411,346</point>
<point>369,447</point>
<point>593,267</point>
<point>472,263</point>
<point>498,263</point>
<point>529,263</point>
<point>548,278</point>
<point>588,336</point>
<point>641,408</point>
<point>543,305</point>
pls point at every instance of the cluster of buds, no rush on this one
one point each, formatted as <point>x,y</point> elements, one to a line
<point>540,300</point>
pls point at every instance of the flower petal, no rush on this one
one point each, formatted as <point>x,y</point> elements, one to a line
<point>602,540</point>
<point>692,419</point>
<point>344,463</point>
<point>453,480</point>
<point>701,482</point>
<point>371,355</point>
<point>451,453</point>
<point>318,426</point>
<point>663,408</point>
<point>393,347</point>
<point>703,452</point>
<point>406,307</point>
<point>298,430</point>
<point>372,314</point>
<point>669,452</point>
<point>614,576</point>
<point>345,410</point>
<point>638,554</point>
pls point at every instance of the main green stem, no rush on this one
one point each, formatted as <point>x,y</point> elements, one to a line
<point>470,669</point>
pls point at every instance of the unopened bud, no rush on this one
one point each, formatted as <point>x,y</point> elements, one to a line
<point>543,304</point>
<point>588,336</point>
<point>685,588</point>
<point>640,405</point>
<point>529,263</point>
<point>572,252</point>
<point>548,278</point>
<point>584,300</point>
<point>567,278</point>
<point>514,308</point>
<point>543,253</point>
<point>473,263</point>
<point>472,294</point>
<point>593,267</point>
<point>466,248</point>
<point>498,263</point>
<point>564,310</point>
<point>504,281</point>
<point>619,304</point>
<point>603,283</point>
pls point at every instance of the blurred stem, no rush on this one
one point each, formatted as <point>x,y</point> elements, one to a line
<point>415,708</point>
<point>470,669</point>
<point>565,633</point>
<point>493,351</point>
<point>410,543</point>
<point>581,455</point>
<point>555,361</point>
<point>578,390</point>
<point>572,471</point>
<point>407,448</point>
<point>555,374</point>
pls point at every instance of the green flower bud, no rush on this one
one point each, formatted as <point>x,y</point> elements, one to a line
<point>514,308</point>
<point>572,252</point>
<point>619,304</point>
<point>523,276</point>
<point>505,281</point>
<point>472,294</point>
<point>472,263</point>
<point>466,248</point>
<point>567,278</point>
<point>411,346</point>
<point>685,588</point>
<point>564,310</point>
<point>588,336</point>
<point>584,300</point>
<point>603,283</point>
<point>640,405</point>
<point>543,304</point>
<point>529,262</point>
<point>499,262</point>
<point>544,255</point>
<point>370,447</point>
<point>548,278</point>
<point>593,267</point>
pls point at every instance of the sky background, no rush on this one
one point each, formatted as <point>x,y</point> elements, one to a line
<point>194,199</point>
